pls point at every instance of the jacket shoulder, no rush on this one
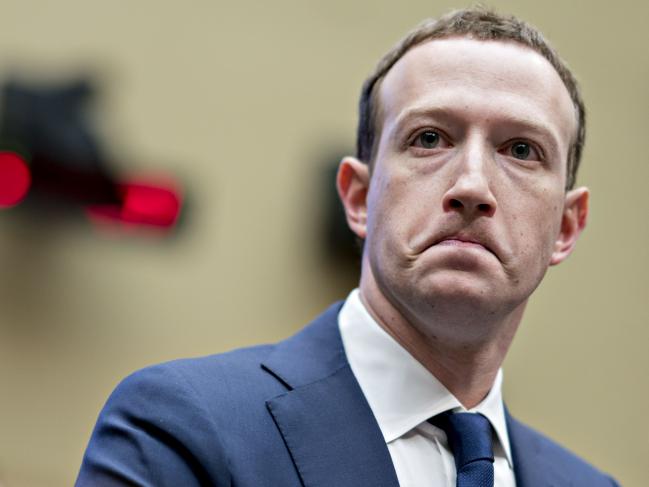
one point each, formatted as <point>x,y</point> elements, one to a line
<point>169,424</point>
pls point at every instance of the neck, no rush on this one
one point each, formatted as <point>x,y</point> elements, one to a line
<point>467,367</point>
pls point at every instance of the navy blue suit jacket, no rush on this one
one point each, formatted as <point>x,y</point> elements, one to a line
<point>284,415</point>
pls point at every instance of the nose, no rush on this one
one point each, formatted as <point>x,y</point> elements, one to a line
<point>470,191</point>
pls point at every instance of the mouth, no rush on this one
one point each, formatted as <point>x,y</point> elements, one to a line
<point>467,242</point>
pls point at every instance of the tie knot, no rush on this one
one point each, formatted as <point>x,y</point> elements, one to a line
<point>469,436</point>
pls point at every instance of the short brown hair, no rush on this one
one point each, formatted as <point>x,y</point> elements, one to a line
<point>476,23</point>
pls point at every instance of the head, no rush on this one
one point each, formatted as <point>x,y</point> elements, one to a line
<point>475,23</point>
<point>469,138</point>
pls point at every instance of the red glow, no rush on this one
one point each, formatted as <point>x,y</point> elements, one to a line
<point>144,204</point>
<point>150,205</point>
<point>15,179</point>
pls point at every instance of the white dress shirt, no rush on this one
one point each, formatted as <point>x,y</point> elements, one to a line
<point>403,395</point>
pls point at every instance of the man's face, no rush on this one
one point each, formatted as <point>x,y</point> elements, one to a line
<point>466,201</point>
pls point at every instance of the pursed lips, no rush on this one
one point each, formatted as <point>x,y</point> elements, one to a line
<point>464,242</point>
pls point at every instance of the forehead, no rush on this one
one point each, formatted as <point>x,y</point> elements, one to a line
<point>492,79</point>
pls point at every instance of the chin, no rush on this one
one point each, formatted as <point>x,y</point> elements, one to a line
<point>444,295</point>
<point>456,283</point>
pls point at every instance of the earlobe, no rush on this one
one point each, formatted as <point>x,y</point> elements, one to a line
<point>573,222</point>
<point>352,182</point>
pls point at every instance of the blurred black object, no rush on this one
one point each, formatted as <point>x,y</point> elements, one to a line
<point>48,126</point>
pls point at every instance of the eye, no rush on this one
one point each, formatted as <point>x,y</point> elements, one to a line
<point>427,140</point>
<point>523,151</point>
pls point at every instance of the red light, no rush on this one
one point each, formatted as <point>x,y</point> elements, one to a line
<point>15,179</point>
<point>150,205</point>
<point>145,203</point>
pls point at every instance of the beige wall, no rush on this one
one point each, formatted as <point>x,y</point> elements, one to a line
<point>241,99</point>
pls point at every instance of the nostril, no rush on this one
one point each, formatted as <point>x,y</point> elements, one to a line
<point>484,207</point>
<point>453,203</point>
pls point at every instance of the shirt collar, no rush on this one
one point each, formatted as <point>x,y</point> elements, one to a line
<point>401,392</point>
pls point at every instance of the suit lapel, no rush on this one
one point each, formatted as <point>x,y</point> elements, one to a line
<point>323,417</point>
<point>332,435</point>
<point>532,465</point>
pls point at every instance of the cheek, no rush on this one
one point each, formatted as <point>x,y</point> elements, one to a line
<point>399,209</point>
<point>383,222</point>
<point>536,227</point>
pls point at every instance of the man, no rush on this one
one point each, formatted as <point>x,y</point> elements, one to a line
<point>470,135</point>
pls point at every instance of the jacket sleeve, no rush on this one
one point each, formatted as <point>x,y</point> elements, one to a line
<point>154,431</point>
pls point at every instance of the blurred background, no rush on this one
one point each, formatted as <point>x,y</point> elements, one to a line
<point>210,132</point>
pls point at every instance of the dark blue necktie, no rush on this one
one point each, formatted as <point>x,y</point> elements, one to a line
<point>469,436</point>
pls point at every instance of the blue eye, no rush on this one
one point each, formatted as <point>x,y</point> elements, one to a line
<point>428,139</point>
<point>520,150</point>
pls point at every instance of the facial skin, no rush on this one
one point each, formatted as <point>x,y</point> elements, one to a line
<point>465,207</point>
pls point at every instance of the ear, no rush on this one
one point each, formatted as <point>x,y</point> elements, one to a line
<point>575,214</point>
<point>352,182</point>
